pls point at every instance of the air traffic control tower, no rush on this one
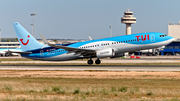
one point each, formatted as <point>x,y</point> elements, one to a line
<point>128,19</point>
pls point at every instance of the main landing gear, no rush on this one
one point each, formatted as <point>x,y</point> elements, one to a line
<point>90,62</point>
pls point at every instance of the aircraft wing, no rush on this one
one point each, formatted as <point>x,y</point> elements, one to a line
<point>70,49</point>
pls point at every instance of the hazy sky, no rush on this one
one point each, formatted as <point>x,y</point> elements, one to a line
<point>78,19</point>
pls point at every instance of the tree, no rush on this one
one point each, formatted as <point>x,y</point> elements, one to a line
<point>55,40</point>
<point>16,39</point>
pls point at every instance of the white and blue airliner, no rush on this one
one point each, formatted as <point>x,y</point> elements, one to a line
<point>100,48</point>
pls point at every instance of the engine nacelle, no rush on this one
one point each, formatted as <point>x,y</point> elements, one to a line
<point>118,55</point>
<point>105,53</point>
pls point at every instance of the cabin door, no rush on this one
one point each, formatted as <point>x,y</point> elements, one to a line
<point>152,38</point>
<point>42,54</point>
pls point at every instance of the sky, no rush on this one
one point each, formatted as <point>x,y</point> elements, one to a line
<point>78,19</point>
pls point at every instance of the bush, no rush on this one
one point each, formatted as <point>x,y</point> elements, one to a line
<point>113,89</point>
<point>31,91</point>
<point>122,89</point>
<point>8,87</point>
<point>61,92</point>
<point>134,90</point>
<point>45,90</point>
<point>76,91</point>
<point>55,89</point>
<point>104,92</point>
<point>93,91</point>
<point>115,95</point>
<point>87,93</point>
<point>149,93</point>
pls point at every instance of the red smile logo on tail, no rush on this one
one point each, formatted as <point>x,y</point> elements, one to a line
<point>26,42</point>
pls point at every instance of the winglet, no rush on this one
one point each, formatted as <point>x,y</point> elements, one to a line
<point>44,39</point>
<point>90,38</point>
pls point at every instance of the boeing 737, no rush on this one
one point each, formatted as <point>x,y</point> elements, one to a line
<point>100,48</point>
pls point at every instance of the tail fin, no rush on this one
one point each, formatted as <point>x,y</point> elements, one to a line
<point>26,40</point>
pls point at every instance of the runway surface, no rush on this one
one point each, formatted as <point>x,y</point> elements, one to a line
<point>61,65</point>
<point>93,67</point>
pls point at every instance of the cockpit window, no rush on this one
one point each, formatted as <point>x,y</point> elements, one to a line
<point>163,35</point>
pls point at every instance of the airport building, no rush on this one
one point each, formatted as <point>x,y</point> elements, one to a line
<point>9,45</point>
<point>174,30</point>
<point>128,19</point>
<point>174,47</point>
<point>171,49</point>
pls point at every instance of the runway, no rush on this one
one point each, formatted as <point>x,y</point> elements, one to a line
<point>81,65</point>
<point>93,68</point>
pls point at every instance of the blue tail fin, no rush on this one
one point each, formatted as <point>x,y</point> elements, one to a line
<point>26,40</point>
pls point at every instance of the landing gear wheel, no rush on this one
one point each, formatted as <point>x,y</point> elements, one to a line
<point>98,61</point>
<point>7,55</point>
<point>90,62</point>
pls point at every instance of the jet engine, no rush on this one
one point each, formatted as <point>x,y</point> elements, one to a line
<point>118,55</point>
<point>105,53</point>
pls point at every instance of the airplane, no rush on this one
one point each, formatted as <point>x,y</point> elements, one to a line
<point>4,51</point>
<point>100,48</point>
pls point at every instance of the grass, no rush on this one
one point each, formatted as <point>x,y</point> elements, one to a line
<point>7,88</point>
<point>15,59</point>
<point>115,88</point>
<point>91,89</point>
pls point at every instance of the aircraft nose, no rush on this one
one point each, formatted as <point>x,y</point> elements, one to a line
<point>170,38</point>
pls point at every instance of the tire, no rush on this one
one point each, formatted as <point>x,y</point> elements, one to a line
<point>90,62</point>
<point>98,61</point>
